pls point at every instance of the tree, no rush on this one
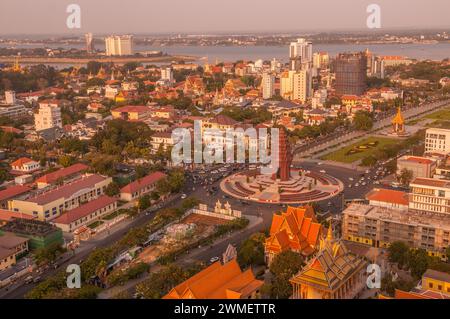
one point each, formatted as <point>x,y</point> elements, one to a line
<point>398,253</point>
<point>418,260</point>
<point>48,254</point>
<point>363,121</point>
<point>251,251</point>
<point>112,189</point>
<point>368,161</point>
<point>283,267</point>
<point>405,176</point>
<point>144,202</point>
<point>66,160</point>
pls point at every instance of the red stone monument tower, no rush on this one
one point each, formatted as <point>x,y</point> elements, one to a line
<point>285,158</point>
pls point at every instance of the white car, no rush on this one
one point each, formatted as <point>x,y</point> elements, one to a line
<point>183,196</point>
<point>213,259</point>
<point>357,184</point>
<point>350,178</point>
<point>349,185</point>
<point>323,171</point>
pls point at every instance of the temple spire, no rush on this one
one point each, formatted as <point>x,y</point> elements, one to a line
<point>330,237</point>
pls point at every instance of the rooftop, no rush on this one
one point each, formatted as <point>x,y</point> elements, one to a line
<point>392,215</point>
<point>12,191</point>
<point>84,210</point>
<point>142,182</point>
<point>431,182</point>
<point>67,190</point>
<point>33,227</point>
<point>61,173</point>
<point>10,241</point>
<point>388,196</point>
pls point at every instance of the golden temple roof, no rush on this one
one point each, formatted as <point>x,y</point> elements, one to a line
<point>398,119</point>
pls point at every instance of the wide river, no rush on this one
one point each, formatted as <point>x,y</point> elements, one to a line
<point>233,53</point>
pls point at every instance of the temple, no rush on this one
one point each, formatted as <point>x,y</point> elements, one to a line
<point>218,281</point>
<point>334,273</point>
<point>398,123</point>
<point>285,158</point>
<point>297,229</point>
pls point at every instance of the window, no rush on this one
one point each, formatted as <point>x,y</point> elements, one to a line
<point>439,287</point>
<point>430,285</point>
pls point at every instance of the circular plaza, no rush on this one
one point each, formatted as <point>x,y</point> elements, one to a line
<point>302,187</point>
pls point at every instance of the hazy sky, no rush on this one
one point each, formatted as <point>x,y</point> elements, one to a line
<point>206,16</point>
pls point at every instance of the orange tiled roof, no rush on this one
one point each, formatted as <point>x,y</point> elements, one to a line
<point>217,282</point>
<point>295,229</point>
<point>21,161</point>
<point>388,196</point>
<point>62,173</point>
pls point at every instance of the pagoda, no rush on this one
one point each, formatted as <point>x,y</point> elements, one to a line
<point>334,273</point>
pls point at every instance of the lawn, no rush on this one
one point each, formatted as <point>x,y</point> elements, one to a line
<point>359,150</point>
<point>114,214</point>
<point>443,115</point>
<point>95,224</point>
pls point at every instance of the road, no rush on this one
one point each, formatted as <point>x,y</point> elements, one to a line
<point>342,138</point>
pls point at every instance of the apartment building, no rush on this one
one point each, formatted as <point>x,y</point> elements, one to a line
<point>437,139</point>
<point>380,226</point>
<point>50,204</point>
<point>430,195</point>
<point>48,116</point>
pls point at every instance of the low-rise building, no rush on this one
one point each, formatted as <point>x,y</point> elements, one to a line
<point>141,186</point>
<point>25,165</point>
<point>131,112</point>
<point>85,214</point>
<point>162,139</point>
<point>40,234</point>
<point>419,166</point>
<point>7,258</point>
<point>12,192</point>
<point>62,174</point>
<point>16,243</point>
<point>50,204</point>
<point>388,198</point>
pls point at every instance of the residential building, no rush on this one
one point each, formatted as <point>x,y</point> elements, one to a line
<point>218,281</point>
<point>89,43</point>
<point>119,45</point>
<point>380,226</point>
<point>7,258</point>
<point>302,85</point>
<point>430,195</point>
<point>437,139</point>
<point>268,85</point>
<point>50,204</point>
<point>162,139</point>
<point>131,112</point>
<point>296,229</point>
<point>351,73</point>
<point>25,165</point>
<point>10,108</point>
<point>167,74</point>
<point>48,116</point>
<point>16,243</point>
<point>62,174</point>
<point>419,166</point>
<point>333,273</point>
<point>86,213</point>
<point>141,186</point>
<point>300,54</point>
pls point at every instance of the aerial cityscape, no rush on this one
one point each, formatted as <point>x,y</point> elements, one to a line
<point>225,165</point>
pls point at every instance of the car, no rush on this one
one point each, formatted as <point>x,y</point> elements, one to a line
<point>363,183</point>
<point>183,196</point>
<point>349,185</point>
<point>357,184</point>
<point>323,171</point>
<point>29,280</point>
<point>350,178</point>
<point>213,259</point>
<point>37,279</point>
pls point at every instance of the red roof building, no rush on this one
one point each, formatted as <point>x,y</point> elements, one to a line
<point>85,214</point>
<point>10,193</point>
<point>141,186</point>
<point>62,173</point>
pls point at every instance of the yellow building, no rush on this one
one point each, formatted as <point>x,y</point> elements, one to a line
<point>334,273</point>
<point>436,281</point>
<point>131,112</point>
